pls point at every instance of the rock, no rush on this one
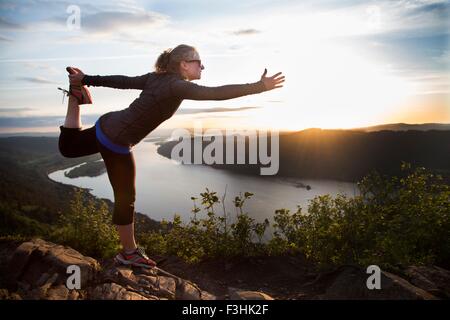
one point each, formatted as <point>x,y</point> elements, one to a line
<point>33,262</point>
<point>207,296</point>
<point>167,286</point>
<point>237,294</point>
<point>433,279</point>
<point>124,272</point>
<point>188,291</point>
<point>38,270</point>
<point>113,291</point>
<point>148,280</point>
<point>60,293</point>
<point>6,295</point>
<point>350,283</point>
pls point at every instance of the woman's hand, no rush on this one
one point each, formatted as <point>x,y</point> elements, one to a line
<point>272,82</point>
<point>76,78</point>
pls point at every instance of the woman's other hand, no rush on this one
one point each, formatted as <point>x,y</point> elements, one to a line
<point>76,78</point>
<point>272,82</point>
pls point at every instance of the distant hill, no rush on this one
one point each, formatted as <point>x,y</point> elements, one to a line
<point>405,127</point>
<point>166,133</point>
<point>349,155</point>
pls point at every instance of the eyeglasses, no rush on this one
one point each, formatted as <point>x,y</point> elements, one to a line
<point>199,63</point>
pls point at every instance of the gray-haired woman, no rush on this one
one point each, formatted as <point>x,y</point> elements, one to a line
<point>115,133</point>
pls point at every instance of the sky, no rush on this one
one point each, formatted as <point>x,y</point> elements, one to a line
<point>347,63</point>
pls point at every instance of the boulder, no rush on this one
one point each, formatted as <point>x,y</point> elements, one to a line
<point>238,294</point>
<point>432,279</point>
<point>38,270</point>
<point>350,284</point>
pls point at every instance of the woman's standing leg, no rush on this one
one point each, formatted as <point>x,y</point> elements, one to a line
<point>121,170</point>
<point>126,235</point>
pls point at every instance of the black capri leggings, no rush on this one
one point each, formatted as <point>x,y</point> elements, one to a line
<point>121,168</point>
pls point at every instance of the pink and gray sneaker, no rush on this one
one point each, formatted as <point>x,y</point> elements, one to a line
<point>137,258</point>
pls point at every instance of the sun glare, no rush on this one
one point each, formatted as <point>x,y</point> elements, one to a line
<point>330,86</point>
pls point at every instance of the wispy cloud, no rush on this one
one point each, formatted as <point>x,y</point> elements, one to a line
<point>36,80</point>
<point>41,121</point>
<point>245,32</point>
<point>7,25</point>
<point>110,22</point>
<point>5,39</point>
<point>42,67</point>
<point>19,109</point>
<point>16,111</point>
<point>438,8</point>
<point>118,57</point>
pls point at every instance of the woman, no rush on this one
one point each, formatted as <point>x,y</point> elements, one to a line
<point>115,133</point>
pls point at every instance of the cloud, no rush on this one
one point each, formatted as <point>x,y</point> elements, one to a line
<point>36,80</point>
<point>16,111</point>
<point>7,110</point>
<point>212,110</point>
<point>42,67</point>
<point>2,38</point>
<point>7,25</point>
<point>438,8</point>
<point>105,17</point>
<point>423,16</point>
<point>245,32</point>
<point>42,121</point>
<point>112,21</point>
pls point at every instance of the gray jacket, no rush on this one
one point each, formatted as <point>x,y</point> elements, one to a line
<point>161,96</point>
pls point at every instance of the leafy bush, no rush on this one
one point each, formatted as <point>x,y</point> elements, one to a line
<point>394,222</point>
<point>15,221</point>
<point>87,228</point>
<point>210,236</point>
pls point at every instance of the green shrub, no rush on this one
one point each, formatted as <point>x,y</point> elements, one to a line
<point>210,236</point>
<point>394,222</point>
<point>14,221</point>
<point>87,228</point>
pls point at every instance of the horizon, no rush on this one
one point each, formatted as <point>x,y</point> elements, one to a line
<point>165,131</point>
<point>391,57</point>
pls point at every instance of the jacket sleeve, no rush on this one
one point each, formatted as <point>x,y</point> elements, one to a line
<point>187,90</point>
<point>118,82</point>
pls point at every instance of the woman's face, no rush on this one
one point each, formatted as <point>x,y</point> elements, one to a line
<point>192,67</point>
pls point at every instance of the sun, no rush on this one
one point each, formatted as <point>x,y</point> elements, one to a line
<point>331,86</point>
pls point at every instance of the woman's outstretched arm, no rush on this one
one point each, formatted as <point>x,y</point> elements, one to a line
<point>115,81</point>
<point>187,90</point>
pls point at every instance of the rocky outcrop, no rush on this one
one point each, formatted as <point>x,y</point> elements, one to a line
<point>39,270</point>
<point>350,282</point>
<point>433,279</point>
